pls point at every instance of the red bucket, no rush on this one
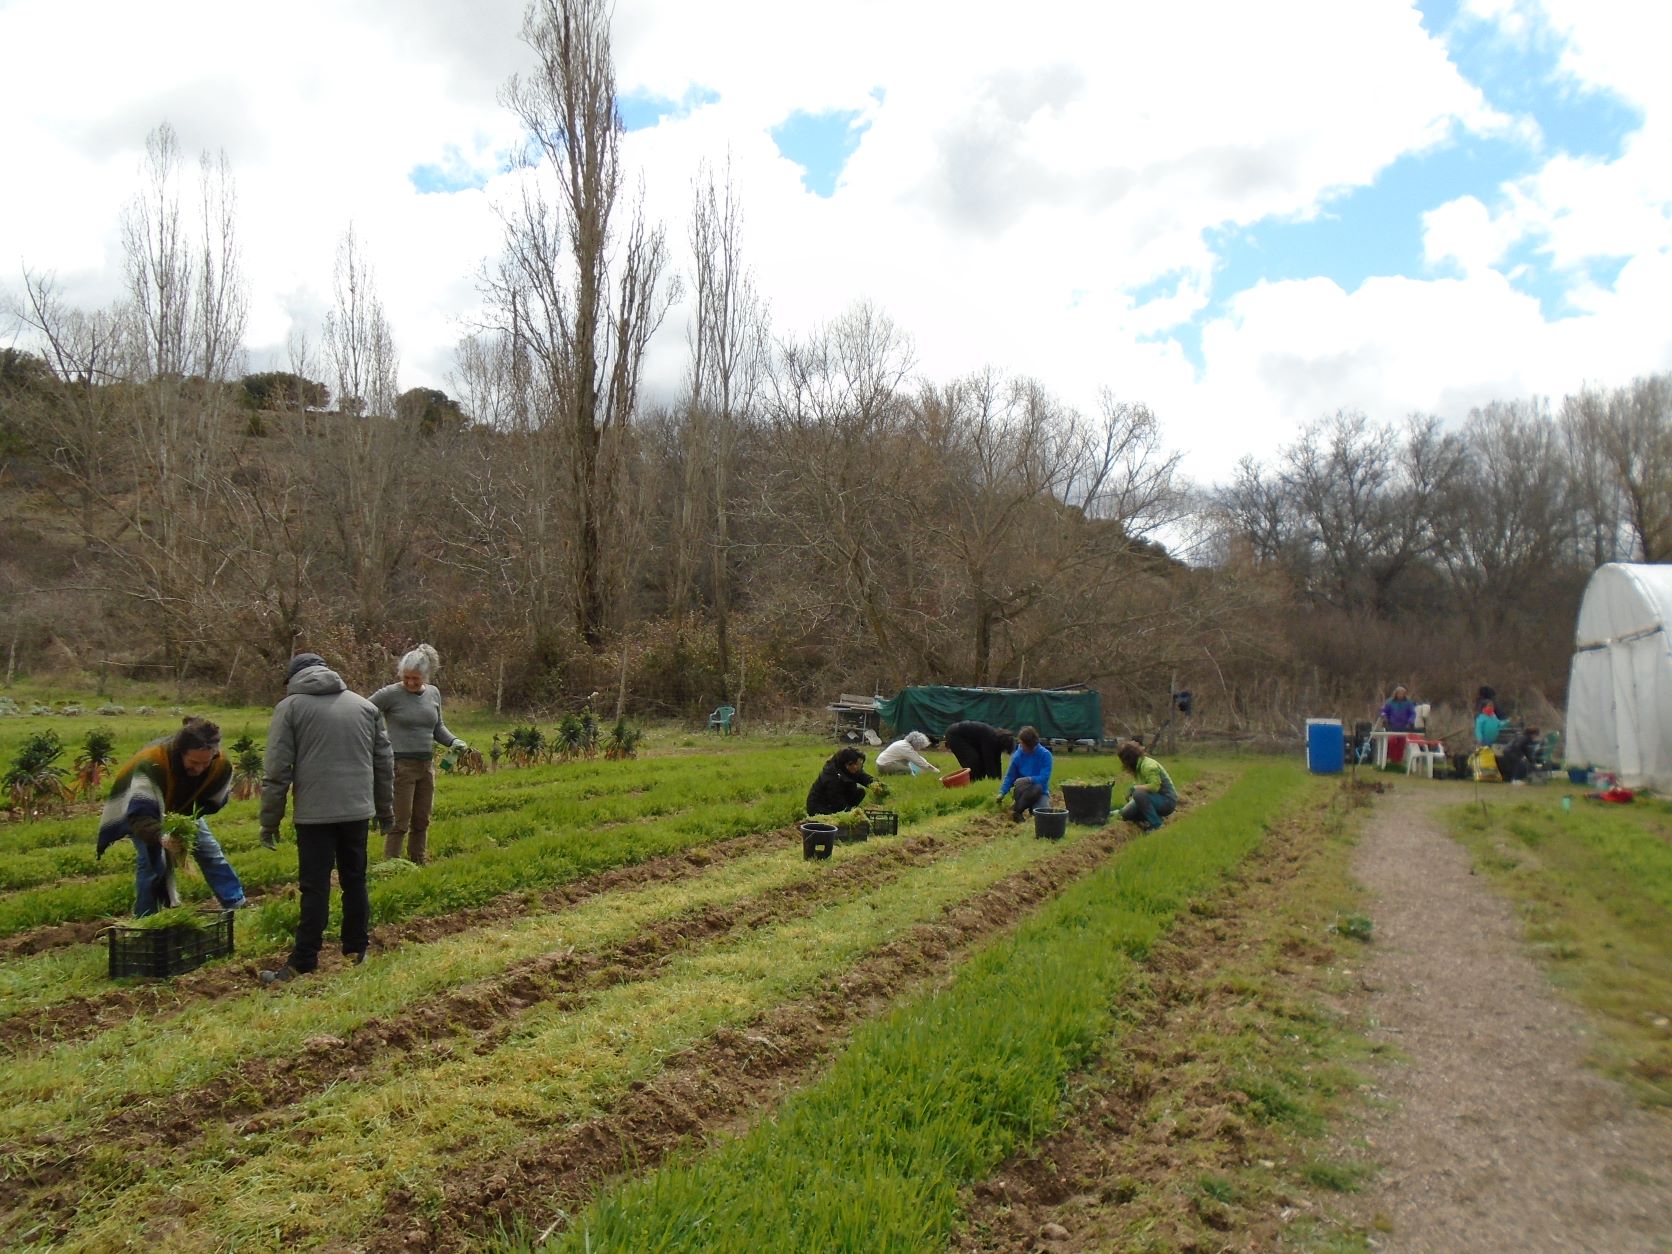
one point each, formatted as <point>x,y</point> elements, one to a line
<point>958,779</point>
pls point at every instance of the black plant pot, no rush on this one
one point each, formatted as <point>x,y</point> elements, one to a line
<point>1087,803</point>
<point>817,840</point>
<point>1050,824</point>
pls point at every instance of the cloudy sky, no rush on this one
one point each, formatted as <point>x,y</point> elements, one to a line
<point>1245,215</point>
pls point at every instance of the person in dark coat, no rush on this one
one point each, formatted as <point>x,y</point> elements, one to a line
<point>980,747</point>
<point>1515,760</point>
<point>841,784</point>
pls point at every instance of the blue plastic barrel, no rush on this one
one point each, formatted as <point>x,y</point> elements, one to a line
<point>1326,746</point>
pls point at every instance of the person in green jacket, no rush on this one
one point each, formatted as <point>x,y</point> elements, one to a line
<point>1152,798</point>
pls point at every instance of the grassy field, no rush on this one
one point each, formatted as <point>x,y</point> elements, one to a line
<point>1593,884</point>
<point>618,1010</point>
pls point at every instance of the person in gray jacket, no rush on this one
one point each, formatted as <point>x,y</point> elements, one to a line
<point>412,713</point>
<point>327,745</point>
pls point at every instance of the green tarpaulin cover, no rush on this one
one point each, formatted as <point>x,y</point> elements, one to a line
<point>1056,713</point>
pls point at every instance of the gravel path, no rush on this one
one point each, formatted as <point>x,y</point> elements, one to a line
<point>1497,1137</point>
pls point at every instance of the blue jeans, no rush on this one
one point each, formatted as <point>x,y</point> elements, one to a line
<point>149,869</point>
<point>1148,808</point>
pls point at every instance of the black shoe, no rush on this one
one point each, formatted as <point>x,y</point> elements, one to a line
<point>355,957</point>
<point>283,975</point>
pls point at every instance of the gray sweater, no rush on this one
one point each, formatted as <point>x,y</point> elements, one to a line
<point>327,745</point>
<point>413,719</point>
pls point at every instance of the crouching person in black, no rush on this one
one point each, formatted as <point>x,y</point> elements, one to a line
<point>841,784</point>
<point>1515,760</point>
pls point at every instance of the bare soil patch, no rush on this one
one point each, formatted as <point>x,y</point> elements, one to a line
<point>1495,1134</point>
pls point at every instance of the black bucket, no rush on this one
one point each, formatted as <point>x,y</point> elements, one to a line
<point>1087,803</point>
<point>1050,824</point>
<point>817,840</point>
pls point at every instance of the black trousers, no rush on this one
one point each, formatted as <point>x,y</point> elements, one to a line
<point>320,848</point>
<point>1025,796</point>
<point>980,756</point>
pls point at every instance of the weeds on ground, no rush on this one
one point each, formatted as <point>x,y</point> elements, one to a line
<point>1593,886</point>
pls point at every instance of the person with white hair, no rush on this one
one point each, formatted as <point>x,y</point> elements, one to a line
<point>905,753</point>
<point>412,712</point>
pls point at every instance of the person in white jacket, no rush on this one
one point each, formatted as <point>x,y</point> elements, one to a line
<point>899,757</point>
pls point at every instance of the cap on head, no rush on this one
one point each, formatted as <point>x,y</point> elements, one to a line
<point>301,662</point>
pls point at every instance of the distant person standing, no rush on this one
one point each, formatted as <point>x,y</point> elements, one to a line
<point>411,710</point>
<point>327,745</point>
<point>1399,712</point>
<point>980,747</point>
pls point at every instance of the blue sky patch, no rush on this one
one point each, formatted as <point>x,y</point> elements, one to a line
<point>1524,77</point>
<point>820,143</point>
<point>642,110</point>
<point>1368,231</point>
<point>453,173</point>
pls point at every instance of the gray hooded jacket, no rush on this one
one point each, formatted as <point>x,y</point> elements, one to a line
<point>328,745</point>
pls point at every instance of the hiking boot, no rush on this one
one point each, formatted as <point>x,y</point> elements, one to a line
<point>283,975</point>
<point>355,957</point>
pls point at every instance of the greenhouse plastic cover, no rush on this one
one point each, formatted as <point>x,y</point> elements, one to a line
<point>1619,701</point>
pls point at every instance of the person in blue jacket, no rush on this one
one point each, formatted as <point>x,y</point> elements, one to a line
<point>1028,781</point>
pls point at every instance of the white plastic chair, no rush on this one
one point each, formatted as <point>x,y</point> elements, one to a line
<point>1421,761</point>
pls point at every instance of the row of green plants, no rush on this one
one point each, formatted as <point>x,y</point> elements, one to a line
<point>657,785</point>
<point>69,1087</point>
<point>544,843</point>
<point>935,1095</point>
<point>575,736</point>
<point>756,790</point>
<point>411,1119</point>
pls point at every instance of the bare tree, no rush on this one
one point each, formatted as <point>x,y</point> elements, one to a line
<point>1629,431</point>
<point>833,501</point>
<point>74,422</point>
<point>1512,522</point>
<point>188,309</point>
<point>367,483</point>
<point>359,346</point>
<point>576,292</point>
<point>729,358</point>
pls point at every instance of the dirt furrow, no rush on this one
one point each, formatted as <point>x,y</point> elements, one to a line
<point>702,1090</point>
<point>82,1017</point>
<point>254,1096</point>
<point>1070,1191</point>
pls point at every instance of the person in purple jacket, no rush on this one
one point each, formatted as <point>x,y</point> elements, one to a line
<point>1028,781</point>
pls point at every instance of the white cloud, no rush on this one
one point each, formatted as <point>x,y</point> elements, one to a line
<point>1030,191</point>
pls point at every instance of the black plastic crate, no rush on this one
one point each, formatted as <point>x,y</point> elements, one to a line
<point>161,952</point>
<point>852,833</point>
<point>883,822</point>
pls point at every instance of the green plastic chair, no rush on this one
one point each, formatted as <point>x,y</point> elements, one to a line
<point>721,720</point>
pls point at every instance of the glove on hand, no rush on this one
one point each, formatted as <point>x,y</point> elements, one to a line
<point>384,823</point>
<point>269,838</point>
<point>459,746</point>
<point>147,828</point>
